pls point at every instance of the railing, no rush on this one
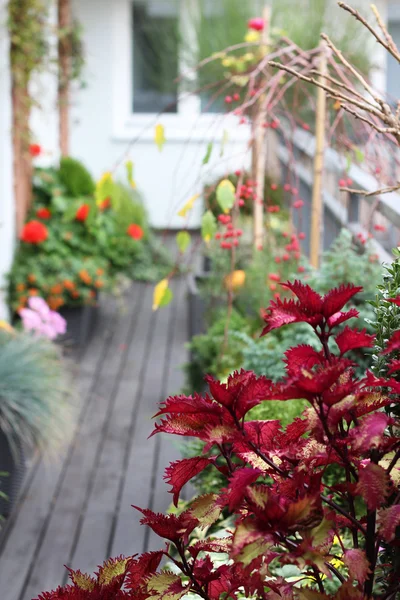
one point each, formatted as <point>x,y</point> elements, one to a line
<point>357,213</point>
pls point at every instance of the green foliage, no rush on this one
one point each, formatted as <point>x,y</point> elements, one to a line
<point>34,402</point>
<point>211,353</point>
<point>386,315</point>
<point>75,177</point>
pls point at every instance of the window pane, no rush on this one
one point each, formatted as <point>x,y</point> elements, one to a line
<point>155,55</point>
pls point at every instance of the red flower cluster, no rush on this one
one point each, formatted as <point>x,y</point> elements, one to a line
<point>135,231</point>
<point>34,232</point>
<point>82,213</point>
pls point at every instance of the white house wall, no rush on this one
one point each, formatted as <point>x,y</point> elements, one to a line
<point>103,128</point>
<point>7,212</point>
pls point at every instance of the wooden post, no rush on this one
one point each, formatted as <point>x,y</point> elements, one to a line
<point>64,60</point>
<point>317,201</point>
<point>259,152</point>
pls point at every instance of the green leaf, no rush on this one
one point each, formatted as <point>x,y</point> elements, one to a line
<point>129,173</point>
<point>167,297</point>
<point>359,154</point>
<point>183,240</point>
<point>208,226</point>
<point>225,138</point>
<point>226,195</point>
<point>207,155</point>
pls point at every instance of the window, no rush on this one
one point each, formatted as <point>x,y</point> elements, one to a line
<point>169,37</point>
<point>155,55</point>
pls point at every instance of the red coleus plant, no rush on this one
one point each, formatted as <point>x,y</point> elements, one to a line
<point>339,537</point>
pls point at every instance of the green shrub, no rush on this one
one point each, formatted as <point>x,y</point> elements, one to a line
<point>75,177</point>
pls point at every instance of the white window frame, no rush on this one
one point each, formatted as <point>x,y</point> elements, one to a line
<point>187,123</point>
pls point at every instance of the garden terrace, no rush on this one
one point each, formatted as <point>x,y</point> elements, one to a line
<point>77,511</point>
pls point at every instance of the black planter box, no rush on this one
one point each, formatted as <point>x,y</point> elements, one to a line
<point>13,464</point>
<point>81,323</point>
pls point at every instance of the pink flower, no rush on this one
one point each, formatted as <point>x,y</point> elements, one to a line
<point>42,321</point>
<point>257,24</point>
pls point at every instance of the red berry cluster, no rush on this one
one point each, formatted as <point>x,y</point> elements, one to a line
<point>274,208</point>
<point>230,237</point>
<point>274,124</point>
<point>234,98</point>
<point>247,191</point>
<point>345,182</point>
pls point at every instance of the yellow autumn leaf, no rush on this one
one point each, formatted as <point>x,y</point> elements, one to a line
<point>188,206</point>
<point>129,174</point>
<point>162,294</point>
<point>159,136</point>
<point>235,280</point>
<point>104,187</point>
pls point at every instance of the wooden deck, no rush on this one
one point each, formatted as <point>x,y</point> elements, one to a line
<point>77,512</point>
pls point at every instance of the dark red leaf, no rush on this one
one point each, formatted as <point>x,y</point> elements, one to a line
<point>336,298</point>
<point>357,564</point>
<point>236,490</point>
<point>369,433</point>
<point>301,356</point>
<point>141,567</point>
<point>340,317</point>
<point>388,521</point>
<point>394,366</point>
<point>309,299</point>
<point>394,300</point>
<point>393,344</point>
<point>373,485</point>
<point>178,473</point>
<point>350,339</point>
<point>171,527</point>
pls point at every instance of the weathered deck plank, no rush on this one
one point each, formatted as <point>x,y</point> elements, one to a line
<point>78,511</point>
<point>57,542</point>
<point>20,546</point>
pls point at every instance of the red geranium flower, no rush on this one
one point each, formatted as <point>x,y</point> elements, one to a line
<point>43,213</point>
<point>34,232</point>
<point>35,150</point>
<point>257,24</point>
<point>135,231</point>
<point>83,212</point>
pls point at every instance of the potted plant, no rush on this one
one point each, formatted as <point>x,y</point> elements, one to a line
<point>73,246</point>
<point>34,405</point>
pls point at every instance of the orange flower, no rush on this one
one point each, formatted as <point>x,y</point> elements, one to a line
<point>75,294</point>
<point>98,283</point>
<point>92,294</point>
<point>31,278</point>
<point>33,292</point>
<point>56,289</point>
<point>100,272</point>
<point>55,302</point>
<point>68,284</point>
<point>85,277</point>
<point>23,300</point>
<point>20,287</point>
